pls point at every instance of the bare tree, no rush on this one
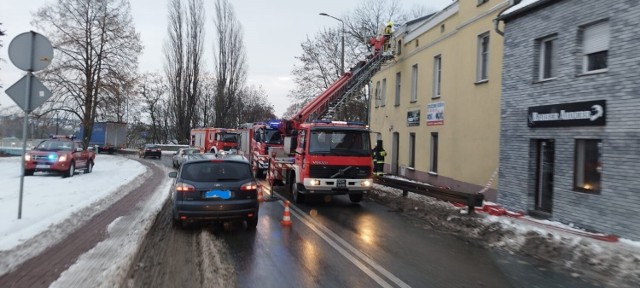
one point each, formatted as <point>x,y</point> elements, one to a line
<point>152,93</point>
<point>207,101</point>
<point>229,65</point>
<point>96,47</point>
<point>319,64</point>
<point>183,52</point>
<point>1,45</point>
<point>254,106</point>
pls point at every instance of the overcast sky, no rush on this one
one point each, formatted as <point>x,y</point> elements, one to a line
<point>273,31</point>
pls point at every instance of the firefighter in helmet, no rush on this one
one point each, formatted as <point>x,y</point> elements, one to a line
<point>388,30</point>
<point>378,154</point>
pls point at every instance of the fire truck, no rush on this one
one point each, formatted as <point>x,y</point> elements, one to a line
<point>214,139</point>
<point>319,156</point>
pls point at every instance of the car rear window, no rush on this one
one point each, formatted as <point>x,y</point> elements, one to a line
<point>215,171</point>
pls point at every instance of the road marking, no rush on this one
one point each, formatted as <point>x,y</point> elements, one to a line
<point>326,234</point>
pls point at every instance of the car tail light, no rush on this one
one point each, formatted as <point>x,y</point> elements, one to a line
<point>183,187</point>
<point>249,186</point>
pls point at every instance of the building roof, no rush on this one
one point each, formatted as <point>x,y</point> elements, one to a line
<point>523,7</point>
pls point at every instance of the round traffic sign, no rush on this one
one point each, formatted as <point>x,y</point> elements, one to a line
<point>30,51</point>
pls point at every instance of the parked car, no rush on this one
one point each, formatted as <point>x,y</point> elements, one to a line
<point>60,154</point>
<point>218,189</point>
<point>150,150</point>
<point>180,156</point>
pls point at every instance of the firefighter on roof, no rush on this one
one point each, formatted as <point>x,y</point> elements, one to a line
<point>378,154</point>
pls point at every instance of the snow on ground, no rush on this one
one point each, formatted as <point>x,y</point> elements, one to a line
<point>54,207</point>
<point>612,264</point>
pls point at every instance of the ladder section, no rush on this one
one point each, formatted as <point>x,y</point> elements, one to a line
<point>360,78</point>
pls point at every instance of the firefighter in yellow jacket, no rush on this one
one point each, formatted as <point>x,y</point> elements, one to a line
<point>378,154</point>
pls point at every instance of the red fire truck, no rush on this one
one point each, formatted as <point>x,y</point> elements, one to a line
<point>323,157</point>
<point>214,139</point>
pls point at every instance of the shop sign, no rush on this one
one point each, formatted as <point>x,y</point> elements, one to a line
<point>435,114</point>
<point>413,118</point>
<point>590,113</point>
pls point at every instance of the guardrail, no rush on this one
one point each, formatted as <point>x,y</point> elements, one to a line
<point>470,199</point>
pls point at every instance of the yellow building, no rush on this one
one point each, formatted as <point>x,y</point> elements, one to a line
<point>437,104</point>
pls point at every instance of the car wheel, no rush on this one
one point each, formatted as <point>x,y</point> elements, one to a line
<point>252,223</point>
<point>71,171</point>
<point>89,167</point>
<point>355,198</point>
<point>297,196</point>
<point>29,172</point>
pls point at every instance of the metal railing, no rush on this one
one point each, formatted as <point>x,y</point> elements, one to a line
<point>471,200</point>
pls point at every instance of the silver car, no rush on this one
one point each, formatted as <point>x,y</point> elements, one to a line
<point>181,155</point>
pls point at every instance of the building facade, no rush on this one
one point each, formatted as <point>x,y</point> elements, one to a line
<point>437,105</point>
<point>570,130</point>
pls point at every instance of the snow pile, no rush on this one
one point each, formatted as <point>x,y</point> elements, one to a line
<point>54,207</point>
<point>612,264</point>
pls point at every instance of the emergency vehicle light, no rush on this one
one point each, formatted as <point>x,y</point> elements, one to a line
<point>273,123</point>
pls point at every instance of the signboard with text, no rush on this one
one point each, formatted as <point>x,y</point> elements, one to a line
<point>435,114</point>
<point>590,113</point>
<point>413,118</point>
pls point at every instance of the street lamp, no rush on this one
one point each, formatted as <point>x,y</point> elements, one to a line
<point>342,62</point>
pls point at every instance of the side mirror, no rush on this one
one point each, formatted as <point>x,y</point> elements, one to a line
<point>173,174</point>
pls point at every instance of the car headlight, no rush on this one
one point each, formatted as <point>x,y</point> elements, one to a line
<point>27,157</point>
<point>62,158</point>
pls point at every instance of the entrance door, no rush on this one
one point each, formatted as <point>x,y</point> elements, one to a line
<point>544,175</point>
<point>395,146</point>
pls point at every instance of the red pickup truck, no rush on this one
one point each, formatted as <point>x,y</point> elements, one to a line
<point>59,154</point>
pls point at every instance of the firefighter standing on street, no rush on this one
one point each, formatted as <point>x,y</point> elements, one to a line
<point>378,154</point>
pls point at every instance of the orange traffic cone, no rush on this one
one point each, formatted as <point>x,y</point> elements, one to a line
<point>286,217</point>
<point>260,196</point>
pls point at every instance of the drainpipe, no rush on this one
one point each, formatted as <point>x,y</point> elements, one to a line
<point>496,21</point>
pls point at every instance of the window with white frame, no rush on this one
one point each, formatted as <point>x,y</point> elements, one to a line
<point>383,93</point>
<point>595,46</point>
<point>398,82</point>
<point>414,83</point>
<point>547,64</point>
<point>588,165</point>
<point>412,150</point>
<point>434,153</point>
<point>483,57</point>
<point>377,94</point>
<point>437,76</point>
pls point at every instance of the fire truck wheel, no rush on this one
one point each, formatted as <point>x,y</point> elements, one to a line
<point>355,198</point>
<point>297,196</point>
<point>252,223</point>
<point>71,171</point>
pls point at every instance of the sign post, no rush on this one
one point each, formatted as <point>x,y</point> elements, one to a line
<point>30,52</point>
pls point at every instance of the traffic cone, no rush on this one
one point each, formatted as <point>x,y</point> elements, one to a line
<point>260,196</point>
<point>286,217</point>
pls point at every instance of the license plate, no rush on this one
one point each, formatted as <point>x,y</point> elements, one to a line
<point>42,166</point>
<point>342,183</point>
<point>222,194</point>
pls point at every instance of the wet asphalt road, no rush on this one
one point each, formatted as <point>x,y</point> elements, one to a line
<point>330,244</point>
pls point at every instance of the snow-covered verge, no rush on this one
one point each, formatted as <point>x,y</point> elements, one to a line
<point>610,264</point>
<point>53,207</point>
<point>107,264</point>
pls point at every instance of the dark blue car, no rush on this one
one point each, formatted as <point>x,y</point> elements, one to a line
<point>207,190</point>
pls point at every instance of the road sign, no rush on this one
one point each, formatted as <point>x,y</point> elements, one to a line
<point>37,96</point>
<point>30,51</point>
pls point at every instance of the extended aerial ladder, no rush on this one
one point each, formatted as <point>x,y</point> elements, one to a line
<point>326,104</point>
